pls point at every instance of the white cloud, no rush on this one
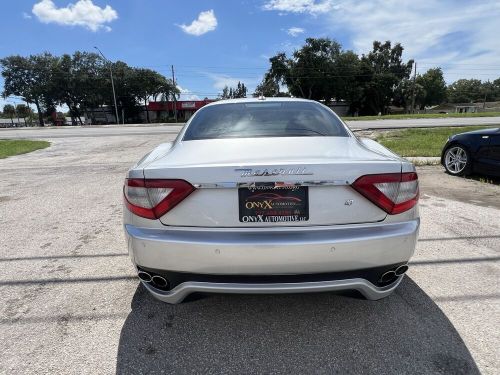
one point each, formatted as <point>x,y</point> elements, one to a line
<point>461,39</point>
<point>295,31</point>
<point>222,80</point>
<point>186,94</point>
<point>205,22</point>
<point>83,13</point>
<point>300,6</point>
<point>26,16</point>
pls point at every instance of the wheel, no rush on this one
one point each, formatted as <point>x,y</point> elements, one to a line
<point>457,160</point>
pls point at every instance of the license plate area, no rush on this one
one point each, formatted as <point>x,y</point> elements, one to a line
<point>273,203</point>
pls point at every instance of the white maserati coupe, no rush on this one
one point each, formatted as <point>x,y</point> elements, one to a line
<point>270,196</point>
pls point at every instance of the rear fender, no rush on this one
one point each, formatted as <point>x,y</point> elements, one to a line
<point>137,171</point>
<point>160,151</point>
<point>378,148</point>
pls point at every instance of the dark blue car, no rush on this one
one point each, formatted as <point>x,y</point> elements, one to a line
<point>477,151</point>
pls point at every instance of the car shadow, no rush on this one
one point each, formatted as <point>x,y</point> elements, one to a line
<point>308,333</point>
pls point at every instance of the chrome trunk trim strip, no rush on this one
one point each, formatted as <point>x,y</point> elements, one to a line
<point>278,184</point>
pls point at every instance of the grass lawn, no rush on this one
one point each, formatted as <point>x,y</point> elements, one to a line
<point>15,147</point>
<point>422,115</point>
<point>421,142</point>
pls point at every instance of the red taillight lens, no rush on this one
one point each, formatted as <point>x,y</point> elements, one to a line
<point>392,192</point>
<point>154,198</point>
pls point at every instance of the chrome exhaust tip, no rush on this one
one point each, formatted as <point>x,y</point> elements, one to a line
<point>144,276</point>
<point>401,270</point>
<point>159,281</point>
<point>388,277</point>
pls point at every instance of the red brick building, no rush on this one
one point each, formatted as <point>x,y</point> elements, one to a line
<point>185,108</point>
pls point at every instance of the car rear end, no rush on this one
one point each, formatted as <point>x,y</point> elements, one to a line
<point>271,215</point>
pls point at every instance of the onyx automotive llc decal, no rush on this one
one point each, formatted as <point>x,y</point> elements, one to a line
<point>272,204</point>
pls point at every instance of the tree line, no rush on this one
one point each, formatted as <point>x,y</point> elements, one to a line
<point>370,83</point>
<point>21,111</point>
<point>320,70</point>
<point>81,82</point>
<point>240,91</point>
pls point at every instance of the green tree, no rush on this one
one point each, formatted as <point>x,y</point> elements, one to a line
<point>123,78</point>
<point>309,72</point>
<point>225,93</point>
<point>232,93</point>
<point>387,71</point>
<point>404,92</point>
<point>24,112</point>
<point>65,88</point>
<point>465,91</point>
<point>9,111</point>
<point>434,85</point>
<point>490,91</point>
<point>135,87</point>
<point>269,87</point>
<point>321,70</point>
<point>80,83</point>
<point>31,79</point>
<point>496,88</point>
<point>240,91</point>
<point>351,76</point>
<point>146,84</point>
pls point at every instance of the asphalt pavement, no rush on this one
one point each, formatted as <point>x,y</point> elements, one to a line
<point>424,123</point>
<point>70,303</point>
<point>150,129</point>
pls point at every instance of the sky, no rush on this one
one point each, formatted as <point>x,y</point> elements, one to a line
<point>213,43</point>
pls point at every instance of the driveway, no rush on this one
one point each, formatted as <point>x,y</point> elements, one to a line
<point>70,303</point>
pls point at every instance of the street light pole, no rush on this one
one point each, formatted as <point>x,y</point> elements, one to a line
<point>112,84</point>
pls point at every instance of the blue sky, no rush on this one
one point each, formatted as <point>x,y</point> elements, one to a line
<point>212,43</point>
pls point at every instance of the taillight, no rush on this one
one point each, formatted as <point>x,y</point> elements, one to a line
<point>392,192</point>
<point>154,198</point>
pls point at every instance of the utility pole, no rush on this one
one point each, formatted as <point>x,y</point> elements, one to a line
<point>175,99</point>
<point>112,84</point>
<point>413,90</point>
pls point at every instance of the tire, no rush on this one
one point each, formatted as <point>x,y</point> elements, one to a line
<point>457,160</point>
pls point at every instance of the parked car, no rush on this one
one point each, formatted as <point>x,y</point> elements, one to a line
<point>270,196</point>
<point>477,151</point>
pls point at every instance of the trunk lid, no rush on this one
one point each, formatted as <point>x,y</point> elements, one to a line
<point>217,167</point>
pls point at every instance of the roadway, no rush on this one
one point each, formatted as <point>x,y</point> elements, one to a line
<point>151,129</point>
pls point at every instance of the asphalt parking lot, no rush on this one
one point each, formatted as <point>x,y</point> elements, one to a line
<point>70,302</point>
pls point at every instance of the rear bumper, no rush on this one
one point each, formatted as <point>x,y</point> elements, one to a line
<point>367,289</point>
<point>273,251</point>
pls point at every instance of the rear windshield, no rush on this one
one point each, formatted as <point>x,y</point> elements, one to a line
<point>271,119</point>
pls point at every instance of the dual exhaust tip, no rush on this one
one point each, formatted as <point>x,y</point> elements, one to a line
<point>392,275</point>
<point>156,280</point>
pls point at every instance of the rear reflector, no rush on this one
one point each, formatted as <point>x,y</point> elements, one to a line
<point>393,192</point>
<point>154,198</point>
